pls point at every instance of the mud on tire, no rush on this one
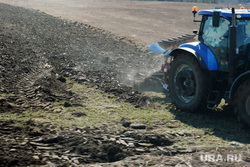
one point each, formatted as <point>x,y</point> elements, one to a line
<point>188,84</point>
<point>242,100</point>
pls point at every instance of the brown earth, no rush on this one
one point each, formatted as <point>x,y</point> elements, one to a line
<point>143,21</point>
<point>38,52</point>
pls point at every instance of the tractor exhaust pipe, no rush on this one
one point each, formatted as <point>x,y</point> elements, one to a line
<point>233,48</point>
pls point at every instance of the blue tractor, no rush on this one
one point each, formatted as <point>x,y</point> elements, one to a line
<point>199,74</point>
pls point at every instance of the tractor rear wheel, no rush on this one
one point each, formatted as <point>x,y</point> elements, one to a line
<point>188,84</point>
<point>242,100</point>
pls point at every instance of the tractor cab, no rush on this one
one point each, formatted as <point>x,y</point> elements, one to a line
<point>215,34</point>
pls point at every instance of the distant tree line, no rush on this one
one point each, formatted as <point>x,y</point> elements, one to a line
<point>211,1</point>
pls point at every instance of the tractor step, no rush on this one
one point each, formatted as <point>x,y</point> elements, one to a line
<point>215,91</point>
<point>226,96</point>
<point>214,95</point>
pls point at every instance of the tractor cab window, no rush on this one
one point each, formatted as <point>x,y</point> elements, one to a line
<point>243,32</point>
<point>243,43</point>
<point>216,39</point>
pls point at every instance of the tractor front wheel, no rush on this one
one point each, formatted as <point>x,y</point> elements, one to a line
<point>242,100</point>
<point>188,84</point>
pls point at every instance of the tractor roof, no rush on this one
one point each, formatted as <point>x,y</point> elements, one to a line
<point>226,12</point>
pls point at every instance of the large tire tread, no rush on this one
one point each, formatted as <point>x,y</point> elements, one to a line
<point>199,104</point>
<point>242,91</point>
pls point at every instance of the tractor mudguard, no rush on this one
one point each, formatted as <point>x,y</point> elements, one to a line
<point>237,82</point>
<point>179,51</point>
<point>203,54</point>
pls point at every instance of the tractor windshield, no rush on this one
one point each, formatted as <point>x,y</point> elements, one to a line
<point>217,39</point>
<point>243,32</point>
<point>243,42</point>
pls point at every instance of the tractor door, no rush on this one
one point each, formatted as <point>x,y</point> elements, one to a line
<point>243,45</point>
<point>216,39</point>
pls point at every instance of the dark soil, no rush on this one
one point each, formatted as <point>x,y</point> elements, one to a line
<point>38,53</point>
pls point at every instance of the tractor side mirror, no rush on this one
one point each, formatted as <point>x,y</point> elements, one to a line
<point>195,31</point>
<point>216,19</point>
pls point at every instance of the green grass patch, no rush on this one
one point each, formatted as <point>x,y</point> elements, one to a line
<point>217,128</point>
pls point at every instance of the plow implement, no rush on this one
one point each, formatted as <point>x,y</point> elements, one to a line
<point>166,46</point>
